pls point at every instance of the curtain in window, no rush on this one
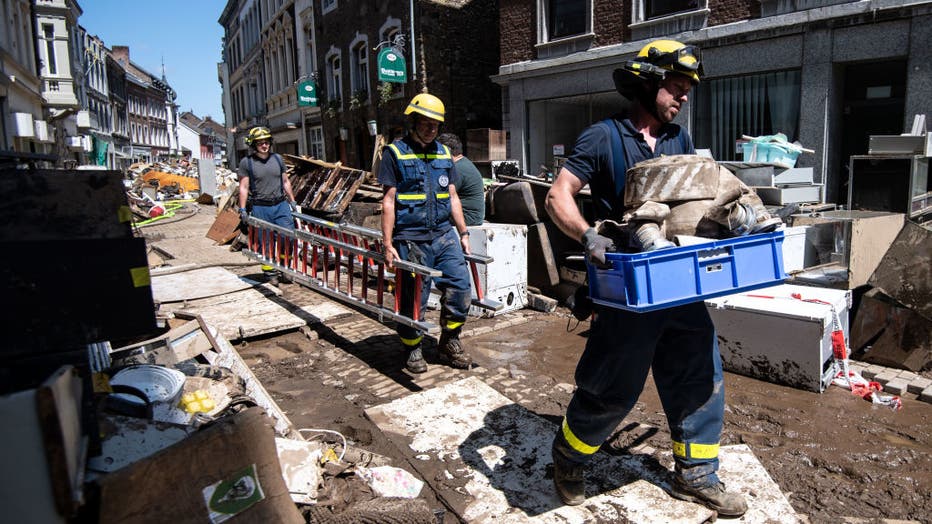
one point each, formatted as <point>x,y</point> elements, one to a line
<point>753,105</point>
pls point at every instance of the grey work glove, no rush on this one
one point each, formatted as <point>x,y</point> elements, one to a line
<point>596,247</point>
<point>243,214</point>
<point>294,206</point>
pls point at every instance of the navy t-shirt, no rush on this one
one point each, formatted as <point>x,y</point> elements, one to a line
<point>592,162</point>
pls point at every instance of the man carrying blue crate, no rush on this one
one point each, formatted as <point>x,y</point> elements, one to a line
<point>422,222</point>
<point>678,343</point>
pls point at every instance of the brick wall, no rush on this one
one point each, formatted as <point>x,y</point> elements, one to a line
<point>518,30</point>
<point>610,22</point>
<point>611,19</point>
<point>728,11</point>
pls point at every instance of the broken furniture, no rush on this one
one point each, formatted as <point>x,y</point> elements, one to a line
<point>778,185</point>
<point>769,335</point>
<point>849,244</point>
<point>321,187</point>
<point>894,175</point>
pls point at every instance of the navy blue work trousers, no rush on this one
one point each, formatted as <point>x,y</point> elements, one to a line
<point>680,345</point>
<point>445,254</point>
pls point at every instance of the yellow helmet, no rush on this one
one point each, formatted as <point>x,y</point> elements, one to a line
<point>258,133</point>
<point>427,105</point>
<point>660,56</point>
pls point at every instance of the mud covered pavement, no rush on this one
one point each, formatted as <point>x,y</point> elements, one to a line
<point>832,454</point>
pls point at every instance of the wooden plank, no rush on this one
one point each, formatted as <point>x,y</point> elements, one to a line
<point>195,284</point>
<point>169,485</point>
<point>225,227</point>
<point>258,311</point>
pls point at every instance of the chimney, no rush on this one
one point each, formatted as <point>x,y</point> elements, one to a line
<point>121,54</point>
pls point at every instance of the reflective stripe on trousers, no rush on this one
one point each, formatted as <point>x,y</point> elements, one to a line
<point>444,254</point>
<point>679,344</point>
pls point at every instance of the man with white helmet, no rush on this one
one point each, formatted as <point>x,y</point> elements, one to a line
<point>422,222</point>
<point>677,344</point>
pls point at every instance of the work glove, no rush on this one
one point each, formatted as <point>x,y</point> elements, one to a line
<point>243,214</point>
<point>596,247</point>
<point>293,205</point>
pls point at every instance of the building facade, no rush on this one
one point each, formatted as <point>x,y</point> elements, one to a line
<point>151,112</point>
<point>827,73</point>
<point>23,127</point>
<point>335,44</point>
<point>58,45</point>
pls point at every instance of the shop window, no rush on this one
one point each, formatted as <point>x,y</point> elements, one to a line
<point>753,105</point>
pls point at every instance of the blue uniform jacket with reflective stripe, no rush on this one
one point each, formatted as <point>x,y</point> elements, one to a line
<point>422,194</point>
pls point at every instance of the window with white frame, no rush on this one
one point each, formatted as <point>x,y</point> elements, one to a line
<point>660,18</point>
<point>315,142</point>
<point>327,5</point>
<point>360,53</point>
<point>559,19</point>
<point>334,79</point>
<point>48,34</point>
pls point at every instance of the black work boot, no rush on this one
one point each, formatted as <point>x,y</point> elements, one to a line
<point>451,350</point>
<point>271,276</point>
<point>416,362</point>
<point>568,478</point>
<point>727,504</point>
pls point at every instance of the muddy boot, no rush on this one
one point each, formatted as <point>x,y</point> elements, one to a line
<point>271,276</point>
<point>727,504</point>
<point>284,278</point>
<point>648,237</point>
<point>416,362</point>
<point>568,477</point>
<point>451,350</point>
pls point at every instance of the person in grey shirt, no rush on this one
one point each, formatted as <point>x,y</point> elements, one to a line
<point>470,187</point>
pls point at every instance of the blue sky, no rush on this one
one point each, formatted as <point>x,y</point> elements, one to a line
<point>183,33</point>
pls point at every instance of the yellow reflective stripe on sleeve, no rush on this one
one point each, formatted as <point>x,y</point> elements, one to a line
<point>575,443</point>
<point>696,451</point>
<point>453,325</point>
<point>124,214</point>
<point>140,276</point>
<point>411,341</point>
<point>412,196</point>
<point>267,268</point>
<point>443,195</point>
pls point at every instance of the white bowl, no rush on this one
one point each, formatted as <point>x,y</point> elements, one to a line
<point>160,384</point>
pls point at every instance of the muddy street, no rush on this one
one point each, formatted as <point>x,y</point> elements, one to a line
<point>833,455</point>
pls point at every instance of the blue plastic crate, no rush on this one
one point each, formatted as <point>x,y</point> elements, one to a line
<point>642,282</point>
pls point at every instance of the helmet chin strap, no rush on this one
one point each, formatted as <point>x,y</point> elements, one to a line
<point>647,96</point>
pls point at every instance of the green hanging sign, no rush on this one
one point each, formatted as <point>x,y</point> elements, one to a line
<point>307,93</point>
<point>392,67</point>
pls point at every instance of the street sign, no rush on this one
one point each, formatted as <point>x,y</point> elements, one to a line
<point>392,66</point>
<point>307,93</point>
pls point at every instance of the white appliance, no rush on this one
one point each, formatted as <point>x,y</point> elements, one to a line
<point>770,335</point>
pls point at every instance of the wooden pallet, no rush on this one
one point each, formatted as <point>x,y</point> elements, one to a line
<point>321,186</point>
